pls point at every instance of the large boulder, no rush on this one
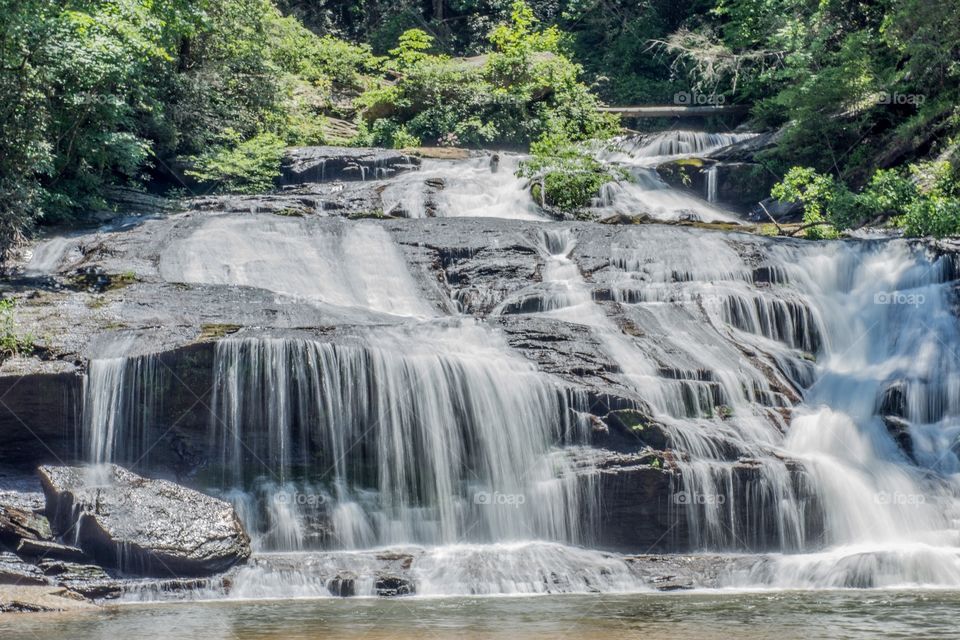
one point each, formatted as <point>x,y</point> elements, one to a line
<point>141,526</point>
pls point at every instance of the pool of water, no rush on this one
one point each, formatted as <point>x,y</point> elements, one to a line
<point>783,615</point>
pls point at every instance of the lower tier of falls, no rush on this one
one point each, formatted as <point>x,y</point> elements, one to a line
<point>794,400</point>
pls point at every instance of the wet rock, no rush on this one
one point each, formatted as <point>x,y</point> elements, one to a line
<point>389,586</point>
<point>899,430</point>
<point>13,570</point>
<point>645,506</point>
<point>782,212</point>
<point>33,599</point>
<point>89,580</point>
<point>20,524</point>
<point>321,164</point>
<point>41,549</point>
<point>44,410</point>
<point>141,526</point>
<point>741,185</point>
<point>747,150</point>
<point>636,429</point>
<point>343,585</point>
<point>893,400</point>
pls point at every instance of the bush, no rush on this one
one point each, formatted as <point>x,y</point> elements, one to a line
<point>937,217</point>
<point>565,175</point>
<point>924,204</point>
<point>250,166</point>
<point>12,343</point>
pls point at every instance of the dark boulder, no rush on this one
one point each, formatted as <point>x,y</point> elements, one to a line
<point>390,585</point>
<point>141,526</point>
<point>343,585</point>
<point>321,164</point>
<point>899,430</point>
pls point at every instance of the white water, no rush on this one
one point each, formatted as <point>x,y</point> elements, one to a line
<point>692,407</point>
<point>47,255</point>
<point>432,438</point>
<point>357,265</point>
<point>712,183</point>
<point>478,187</point>
<point>647,193</point>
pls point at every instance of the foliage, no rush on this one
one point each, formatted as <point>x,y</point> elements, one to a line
<point>926,203</point>
<point>816,192</point>
<point>524,87</point>
<point>12,343</point>
<point>566,176</point>
<point>250,166</point>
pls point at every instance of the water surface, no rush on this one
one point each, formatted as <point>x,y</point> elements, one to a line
<point>783,615</point>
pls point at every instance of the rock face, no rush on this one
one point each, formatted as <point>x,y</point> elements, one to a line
<point>17,525</point>
<point>13,570</point>
<point>322,164</point>
<point>40,429</point>
<point>140,526</point>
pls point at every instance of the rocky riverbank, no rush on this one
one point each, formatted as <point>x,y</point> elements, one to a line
<point>103,529</point>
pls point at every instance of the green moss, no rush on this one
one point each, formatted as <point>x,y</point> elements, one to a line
<point>217,331</point>
<point>375,214</point>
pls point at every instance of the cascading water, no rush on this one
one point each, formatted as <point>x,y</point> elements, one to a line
<point>485,186</point>
<point>712,183</point>
<point>717,406</point>
<point>646,192</point>
<point>451,442</point>
<point>888,367</point>
<point>298,261</point>
<point>808,391</point>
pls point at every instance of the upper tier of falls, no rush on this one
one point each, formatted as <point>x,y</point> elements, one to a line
<point>800,400</point>
<point>646,192</point>
<point>483,186</point>
<point>487,185</point>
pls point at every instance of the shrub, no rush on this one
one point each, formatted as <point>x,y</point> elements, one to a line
<point>247,167</point>
<point>565,175</point>
<point>12,343</point>
<point>924,204</point>
<point>936,216</point>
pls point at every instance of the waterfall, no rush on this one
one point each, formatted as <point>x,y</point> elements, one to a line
<point>712,183</point>
<point>483,186</point>
<point>647,193</point>
<point>717,406</point>
<point>808,393</point>
<point>355,265</point>
<point>436,439</point>
<point>121,401</point>
<point>657,147</point>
